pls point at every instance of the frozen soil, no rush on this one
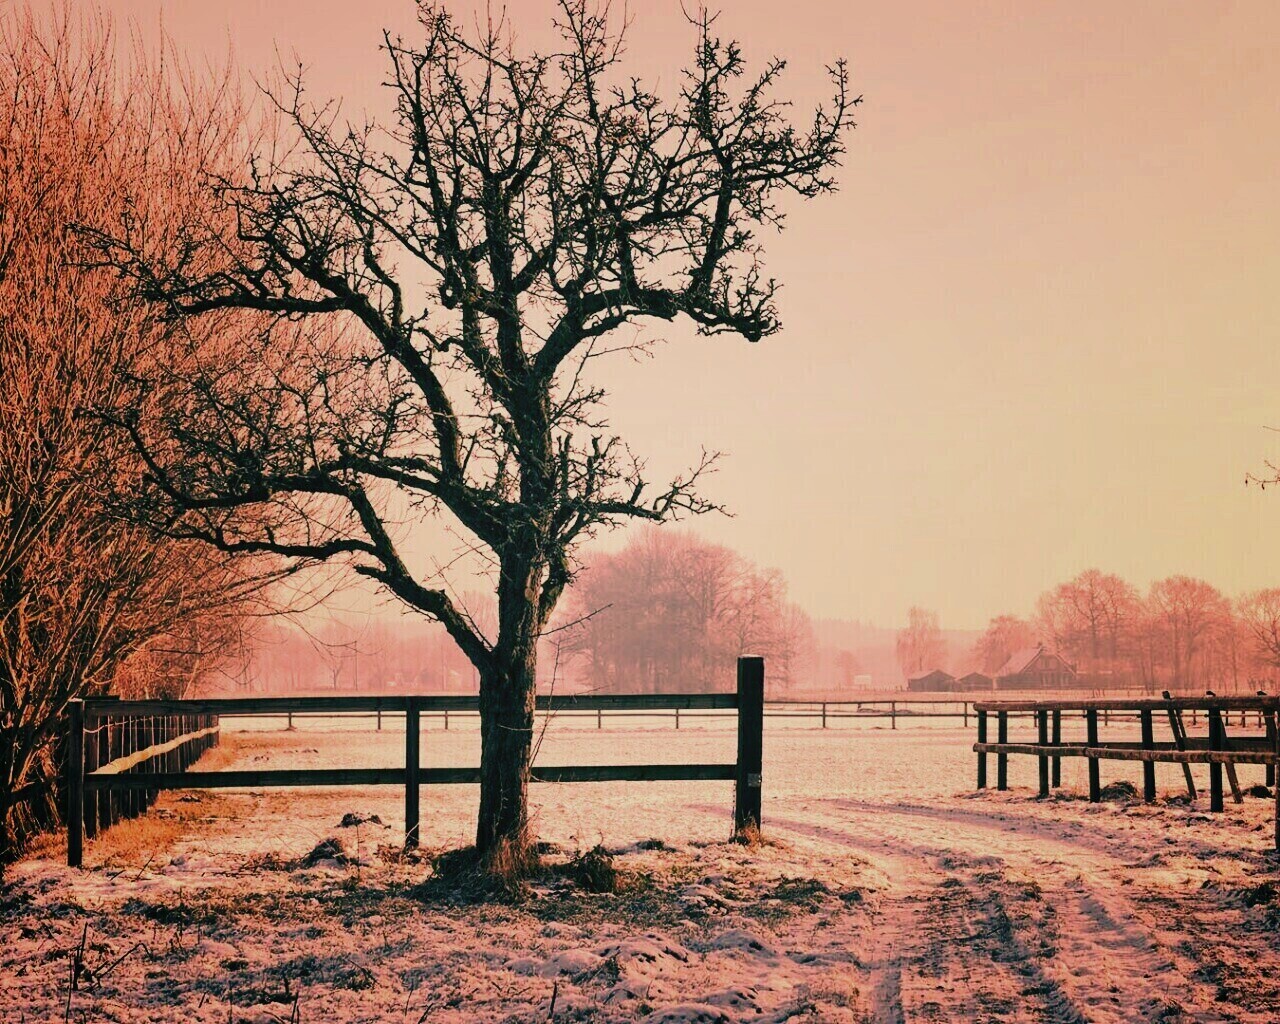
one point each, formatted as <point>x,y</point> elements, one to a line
<point>886,890</point>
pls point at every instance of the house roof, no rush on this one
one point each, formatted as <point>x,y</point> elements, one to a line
<point>975,675</point>
<point>930,674</point>
<point>1019,660</point>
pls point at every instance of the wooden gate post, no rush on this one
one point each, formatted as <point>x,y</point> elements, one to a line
<point>75,783</point>
<point>1276,765</point>
<point>90,800</point>
<point>1215,767</point>
<point>747,786</point>
<point>982,754</point>
<point>411,788</point>
<point>1002,759</point>
<point>1042,737</point>
<point>1057,741</point>
<point>1271,737</point>
<point>1148,767</point>
<point>1095,768</point>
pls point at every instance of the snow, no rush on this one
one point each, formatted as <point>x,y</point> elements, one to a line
<point>887,890</point>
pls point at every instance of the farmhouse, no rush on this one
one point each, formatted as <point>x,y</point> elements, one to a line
<point>1035,668</point>
<point>975,681</point>
<point>931,682</point>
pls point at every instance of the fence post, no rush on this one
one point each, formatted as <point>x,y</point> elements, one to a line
<point>113,751</point>
<point>1042,736</point>
<point>677,719</point>
<point>893,714</point>
<point>824,714</point>
<point>982,754</point>
<point>964,704</point>
<point>599,718</point>
<point>75,783</point>
<point>1271,737</point>
<point>1276,748</point>
<point>1002,759</point>
<point>133,796</point>
<point>1215,767</point>
<point>1095,769</point>
<point>411,789</point>
<point>1057,741</point>
<point>747,786</point>
<point>91,763</point>
<point>1148,767</point>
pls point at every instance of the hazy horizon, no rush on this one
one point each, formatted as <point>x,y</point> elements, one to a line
<point>1028,336</point>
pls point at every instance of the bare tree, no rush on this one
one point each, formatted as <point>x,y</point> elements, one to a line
<point>1090,618</point>
<point>477,252</point>
<point>1259,615</point>
<point>87,601</point>
<point>920,645</point>
<point>670,611</point>
<point>1188,614</point>
<point>1004,635</point>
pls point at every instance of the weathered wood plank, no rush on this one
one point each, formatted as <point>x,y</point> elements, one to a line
<point>750,760</point>
<point>1220,757</point>
<point>1062,750</point>
<point>1270,703</point>
<point>123,764</point>
<point>289,777</point>
<point>254,706</point>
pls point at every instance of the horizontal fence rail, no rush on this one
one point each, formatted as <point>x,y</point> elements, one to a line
<point>1221,752</point>
<point>121,781</point>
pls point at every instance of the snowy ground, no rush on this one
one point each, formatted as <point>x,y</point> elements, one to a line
<point>887,891</point>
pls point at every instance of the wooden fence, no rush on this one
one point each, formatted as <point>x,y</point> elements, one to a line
<point>819,711</point>
<point>121,780</point>
<point>1221,752</point>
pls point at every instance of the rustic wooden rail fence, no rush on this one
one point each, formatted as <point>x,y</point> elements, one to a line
<point>109,739</point>
<point>826,713</point>
<point>122,782</point>
<point>1222,753</point>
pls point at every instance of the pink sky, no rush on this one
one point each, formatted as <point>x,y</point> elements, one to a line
<point>1036,331</point>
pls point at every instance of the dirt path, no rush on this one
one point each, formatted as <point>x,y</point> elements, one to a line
<point>989,918</point>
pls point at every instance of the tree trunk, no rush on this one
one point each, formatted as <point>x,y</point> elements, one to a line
<point>506,743</point>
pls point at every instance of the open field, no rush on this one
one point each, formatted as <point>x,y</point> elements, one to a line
<point>887,891</point>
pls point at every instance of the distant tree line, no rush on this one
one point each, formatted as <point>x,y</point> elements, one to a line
<point>1181,633</point>
<point>669,612</point>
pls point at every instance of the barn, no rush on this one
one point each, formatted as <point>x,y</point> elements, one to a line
<point>931,682</point>
<point>975,681</point>
<point>1035,668</point>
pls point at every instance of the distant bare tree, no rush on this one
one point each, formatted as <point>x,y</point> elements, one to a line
<point>847,667</point>
<point>479,252</point>
<point>672,612</point>
<point>1090,619</point>
<point>1259,614</point>
<point>1188,615</point>
<point>1004,635</point>
<point>920,645</point>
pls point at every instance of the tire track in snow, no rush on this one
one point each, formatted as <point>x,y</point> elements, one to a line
<point>942,949</point>
<point>1085,952</point>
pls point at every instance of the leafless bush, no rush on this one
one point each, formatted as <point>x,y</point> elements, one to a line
<point>88,599</point>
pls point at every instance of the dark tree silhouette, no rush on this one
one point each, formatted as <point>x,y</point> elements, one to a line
<point>468,259</point>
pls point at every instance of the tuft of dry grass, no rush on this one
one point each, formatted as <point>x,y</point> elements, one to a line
<point>594,871</point>
<point>749,835</point>
<point>136,842</point>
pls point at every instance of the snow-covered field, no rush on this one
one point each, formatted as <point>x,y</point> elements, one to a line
<point>886,890</point>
